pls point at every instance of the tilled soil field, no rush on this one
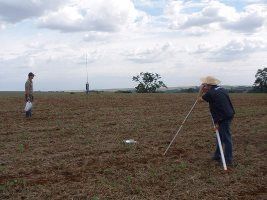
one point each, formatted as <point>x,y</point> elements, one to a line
<point>72,148</point>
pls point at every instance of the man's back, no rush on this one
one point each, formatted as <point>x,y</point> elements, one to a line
<point>220,104</point>
<point>29,87</point>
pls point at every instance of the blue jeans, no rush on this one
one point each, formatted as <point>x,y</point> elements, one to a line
<point>226,139</point>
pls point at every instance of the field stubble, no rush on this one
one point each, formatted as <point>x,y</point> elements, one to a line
<point>73,148</point>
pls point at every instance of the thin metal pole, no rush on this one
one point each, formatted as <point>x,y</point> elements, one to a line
<point>87,84</point>
<point>86,68</point>
<point>220,144</point>
<point>180,127</point>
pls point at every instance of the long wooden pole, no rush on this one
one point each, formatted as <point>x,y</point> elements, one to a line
<point>180,127</point>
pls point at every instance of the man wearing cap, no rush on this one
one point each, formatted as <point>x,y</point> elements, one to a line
<point>222,111</point>
<point>29,92</point>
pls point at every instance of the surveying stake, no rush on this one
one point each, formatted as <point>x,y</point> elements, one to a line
<point>220,144</point>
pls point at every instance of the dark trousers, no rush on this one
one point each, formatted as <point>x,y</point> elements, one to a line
<point>29,113</point>
<point>226,139</point>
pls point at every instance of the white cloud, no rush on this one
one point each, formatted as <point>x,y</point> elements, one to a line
<point>2,25</point>
<point>256,1</point>
<point>121,41</point>
<point>17,10</point>
<point>236,50</point>
<point>146,3</point>
<point>95,36</point>
<point>248,21</point>
<point>214,14</point>
<point>149,3</point>
<point>149,55</point>
<point>202,49</point>
<point>101,15</point>
<point>196,31</point>
<point>209,13</point>
<point>233,50</point>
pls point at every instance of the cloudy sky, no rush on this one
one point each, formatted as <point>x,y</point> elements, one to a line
<point>182,40</point>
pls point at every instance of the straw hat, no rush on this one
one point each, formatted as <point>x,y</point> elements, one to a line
<point>210,80</point>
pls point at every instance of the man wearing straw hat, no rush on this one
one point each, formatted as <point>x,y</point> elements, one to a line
<point>222,112</point>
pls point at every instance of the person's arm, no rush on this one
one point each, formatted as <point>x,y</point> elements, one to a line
<point>27,91</point>
<point>200,93</point>
<point>204,94</point>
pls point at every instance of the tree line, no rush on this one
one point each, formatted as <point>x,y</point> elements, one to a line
<point>148,82</point>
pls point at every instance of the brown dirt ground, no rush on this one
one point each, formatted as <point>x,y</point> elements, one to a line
<point>73,148</point>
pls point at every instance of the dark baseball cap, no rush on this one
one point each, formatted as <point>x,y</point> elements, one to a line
<point>30,74</point>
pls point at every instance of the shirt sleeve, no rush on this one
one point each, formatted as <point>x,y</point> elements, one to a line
<point>207,97</point>
<point>27,86</point>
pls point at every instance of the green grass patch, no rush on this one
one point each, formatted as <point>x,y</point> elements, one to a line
<point>181,166</point>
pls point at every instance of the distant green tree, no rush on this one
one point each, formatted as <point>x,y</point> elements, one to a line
<point>260,83</point>
<point>148,82</point>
